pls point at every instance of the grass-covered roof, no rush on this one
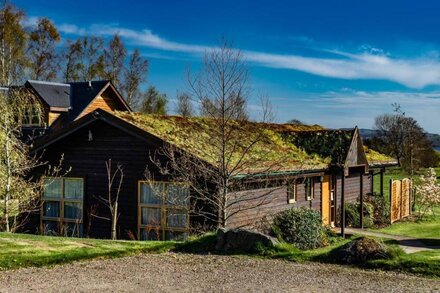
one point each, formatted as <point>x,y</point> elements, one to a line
<point>283,147</point>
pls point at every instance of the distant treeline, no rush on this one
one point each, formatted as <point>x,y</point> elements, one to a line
<point>370,133</point>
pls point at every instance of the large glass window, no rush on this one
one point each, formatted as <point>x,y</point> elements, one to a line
<point>62,211</point>
<point>163,211</point>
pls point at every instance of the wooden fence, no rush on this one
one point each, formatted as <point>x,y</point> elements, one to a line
<point>400,199</point>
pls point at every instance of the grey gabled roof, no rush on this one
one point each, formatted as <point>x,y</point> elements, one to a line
<point>54,94</point>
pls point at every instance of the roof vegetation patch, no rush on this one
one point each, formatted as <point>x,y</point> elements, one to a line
<point>279,147</point>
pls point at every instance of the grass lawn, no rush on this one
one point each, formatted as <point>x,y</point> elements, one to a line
<point>427,229</point>
<point>21,250</point>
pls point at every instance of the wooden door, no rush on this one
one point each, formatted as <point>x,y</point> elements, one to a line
<point>325,200</point>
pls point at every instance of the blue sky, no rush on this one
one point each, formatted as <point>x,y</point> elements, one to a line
<point>335,63</point>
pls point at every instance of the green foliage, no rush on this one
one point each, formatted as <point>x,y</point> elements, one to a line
<point>154,102</point>
<point>380,209</point>
<point>332,144</point>
<point>300,227</point>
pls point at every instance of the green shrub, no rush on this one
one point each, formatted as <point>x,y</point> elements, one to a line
<point>353,211</point>
<point>380,210</point>
<point>301,227</point>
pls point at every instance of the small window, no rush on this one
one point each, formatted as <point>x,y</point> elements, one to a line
<point>62,211</point>
<point>32,118</point>
<point>308,186</point>
<point>163,211</point>
<point>292,192</point>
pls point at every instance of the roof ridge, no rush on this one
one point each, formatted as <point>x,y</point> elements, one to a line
<point>86,81</point>
<point>48,82</point>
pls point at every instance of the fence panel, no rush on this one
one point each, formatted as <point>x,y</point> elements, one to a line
<point>400,199</point>
<point>406,197</point>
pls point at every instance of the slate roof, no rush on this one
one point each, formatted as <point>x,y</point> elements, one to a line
<point>54,94</point>
<point>72,96</point>
<point>82,94</point>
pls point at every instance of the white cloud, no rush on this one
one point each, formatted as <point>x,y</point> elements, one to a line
<point>373,64</point>
<point>72,29</point>
<point>30,21</point>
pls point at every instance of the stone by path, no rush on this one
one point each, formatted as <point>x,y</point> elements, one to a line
<point>408,244</point>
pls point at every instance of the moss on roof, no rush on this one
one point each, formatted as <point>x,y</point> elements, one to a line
<point>272,151</point>
<point>374,157</point>
<point>283,147</point>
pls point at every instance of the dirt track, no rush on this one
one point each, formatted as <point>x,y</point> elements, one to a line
<point>185,272</point>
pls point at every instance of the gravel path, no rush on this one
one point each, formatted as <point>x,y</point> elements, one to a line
<point>188,273</point>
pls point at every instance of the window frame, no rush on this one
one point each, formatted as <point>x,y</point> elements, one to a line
<point>29,116</point>
<point>293,189</point>
<point>310,196</point>
<point>163,227</point>
<point>61,219</point>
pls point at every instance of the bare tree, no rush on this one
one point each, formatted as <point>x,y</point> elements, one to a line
<point>229,157</point>
<point>184,105</point>
<point>134,75</point>
<point>19,189</point>
<point>42,50</point>
<point>115,178</point>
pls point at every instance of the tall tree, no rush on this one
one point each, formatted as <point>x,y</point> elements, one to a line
<point>42,50</point>
<point>154,102</point>
<point>134,75</point>
<point>184,105</point>
<point>91,58</point>
<point>84,59</point>
<point>403,138</point>
<point>70,65</point>
<point>114,57</point>
<point>12,45</point>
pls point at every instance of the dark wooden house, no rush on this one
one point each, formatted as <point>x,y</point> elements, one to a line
<point>335,168</point>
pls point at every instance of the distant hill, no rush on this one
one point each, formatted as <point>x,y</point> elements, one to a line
<point>369,133</point>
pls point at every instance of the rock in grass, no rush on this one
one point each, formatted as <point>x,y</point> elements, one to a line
<point>242,240</point>
<point>359,251</point>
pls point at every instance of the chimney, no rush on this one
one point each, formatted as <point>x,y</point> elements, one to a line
<point>90,83</point>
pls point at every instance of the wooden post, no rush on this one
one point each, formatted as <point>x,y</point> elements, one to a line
<point>343,204</point>
<point>391,200</point>
<point>372,183</point>
<point>381,182</point>
<point>361,183</point>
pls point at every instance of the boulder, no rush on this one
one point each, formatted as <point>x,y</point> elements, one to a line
<point>359,251</point>
<point>242,240</point>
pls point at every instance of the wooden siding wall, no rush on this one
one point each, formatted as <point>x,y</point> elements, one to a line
<point>276,200</point>
<point>352,186</point>
<point>52,117</point>
<point>105,102</point>
<point>87,159</point>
